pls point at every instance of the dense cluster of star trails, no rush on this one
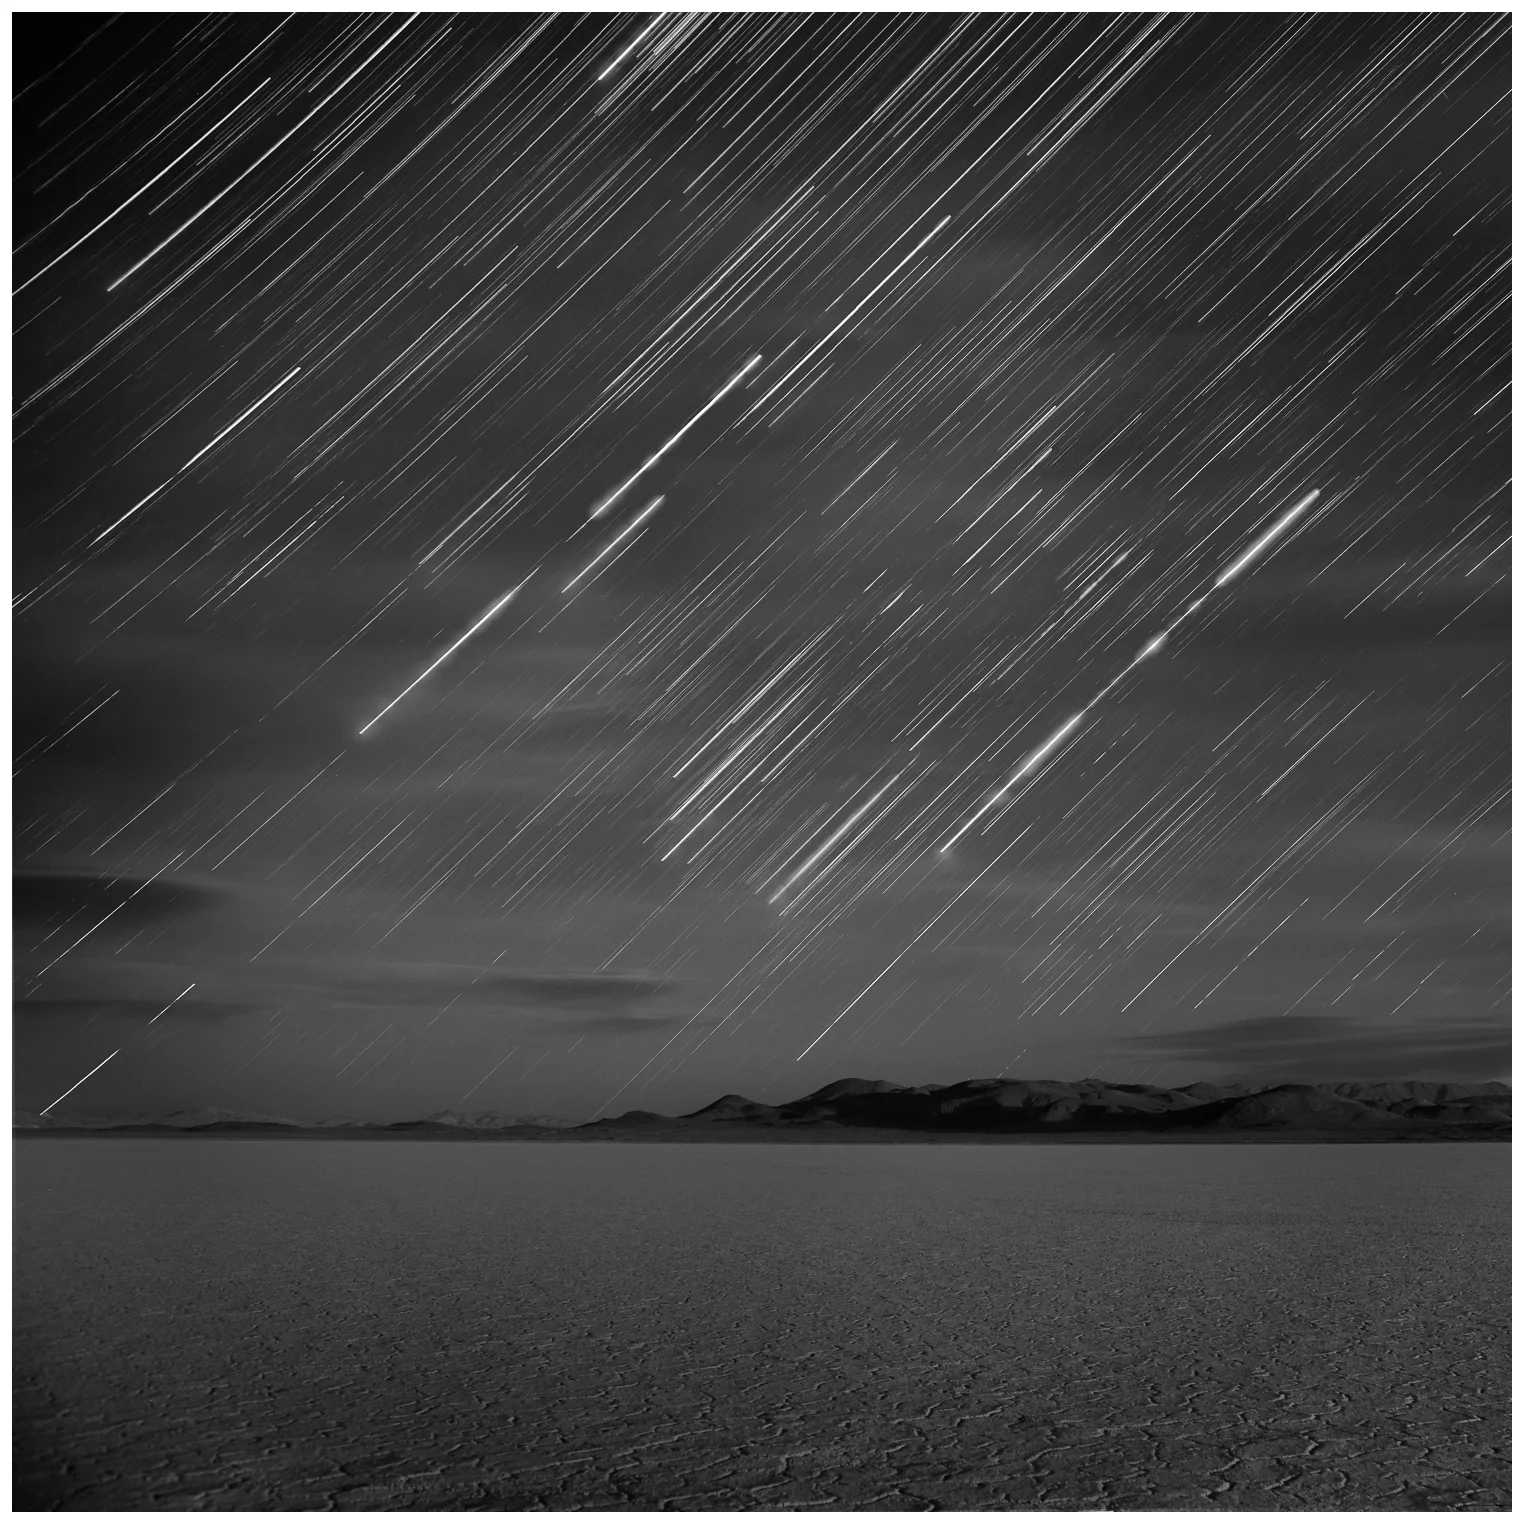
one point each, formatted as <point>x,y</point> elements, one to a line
<point>756,537</point>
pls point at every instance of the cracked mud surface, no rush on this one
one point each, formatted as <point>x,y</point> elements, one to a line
<point>458,1326</point>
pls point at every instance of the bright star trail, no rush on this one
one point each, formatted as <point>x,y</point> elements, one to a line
<point>570,558</point>
<point>253,408</point>
<point>1266,540</point>
<point>633,527</point>
<point>1150,648</point>
<point>606,503</point>
<point>75,1086</point>
<point>478,625</point>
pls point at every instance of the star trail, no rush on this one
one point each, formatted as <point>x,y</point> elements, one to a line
<point>573,557</point>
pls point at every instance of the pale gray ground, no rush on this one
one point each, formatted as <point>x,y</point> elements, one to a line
<point>288,1325</point>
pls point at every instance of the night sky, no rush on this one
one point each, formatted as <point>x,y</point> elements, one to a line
<point>994,342</point>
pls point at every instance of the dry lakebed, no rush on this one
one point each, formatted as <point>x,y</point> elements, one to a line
<point>239,1324</point>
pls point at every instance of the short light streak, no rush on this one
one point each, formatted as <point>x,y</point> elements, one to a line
<point>709,814</point>
<point>762,762</point>
<point>359,863</point>
<point>1407,883</point>
<point>75,1086</point>
<point>734,719</point>
<point>278,810</point>
<point>750,704</point>
<point>455,645</point>
<point>865,470</point>
<point>1096,582</point>
<point>606,502</point>
<point>1412,992</point>
<point>998,532</point>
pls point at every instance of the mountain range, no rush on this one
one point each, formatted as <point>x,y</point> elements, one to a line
<point>1044,1108</point>
<point>1090,1106</point>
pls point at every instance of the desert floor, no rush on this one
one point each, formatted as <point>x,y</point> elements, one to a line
<point>461,1326</point>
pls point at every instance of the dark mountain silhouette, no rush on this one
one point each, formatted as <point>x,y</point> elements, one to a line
<point>1391,1109</point>
<point>1056,1107</point>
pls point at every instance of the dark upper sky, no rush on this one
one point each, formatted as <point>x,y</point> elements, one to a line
<point>334,329</point>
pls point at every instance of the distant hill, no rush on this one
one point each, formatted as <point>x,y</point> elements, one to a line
<point>213,1119</point>
<point>1047,1108</point>
<point>178,1121</point>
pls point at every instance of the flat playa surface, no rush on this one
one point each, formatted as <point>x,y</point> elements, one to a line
<point>461,1326</point>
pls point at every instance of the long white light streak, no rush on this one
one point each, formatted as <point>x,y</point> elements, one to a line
<point>197,215</point>
<point>605,503</point>
<point>177,858</point>
<point>624,534</point>
<point>27,755</point>
<point>295,370</point>
<point>253,407</point>
<point>1005,455</point>
<point>178,998</point>
<point>774,766</point>
<point>824,870</point>
<point>752,736</point>
<point>847,319</point>
<point>628,48</point>
<point>1320,740</point>
<point>455,645</point>
<point>1267,539</point>
<point>1150,648</point>
<point>1029,765</point>
<point>750,704</point>
<point>903,952</point>
<point>1253,884</point>
<point>865,470</point>
<point>75,1086</point>
<point>493,1070</point>
<point>830,841</point>
<point>141,191</point>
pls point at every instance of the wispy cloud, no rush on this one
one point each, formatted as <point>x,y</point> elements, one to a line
<point>582,990</point>
<point>179,1010</point>
<point>43,898</point>
<point>1338,1047</point>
